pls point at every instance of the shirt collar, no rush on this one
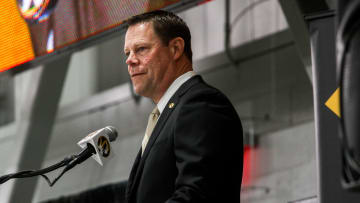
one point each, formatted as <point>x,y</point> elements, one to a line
<point>173,88</point>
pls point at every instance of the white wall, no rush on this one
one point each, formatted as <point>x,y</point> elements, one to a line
<point>283,163</point>
<point>206,23</point>
<point>81,80</point>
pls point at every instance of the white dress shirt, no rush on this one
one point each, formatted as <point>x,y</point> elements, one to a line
<point>173,88</point>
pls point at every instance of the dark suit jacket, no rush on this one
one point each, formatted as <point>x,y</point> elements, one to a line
<point>195,152</point>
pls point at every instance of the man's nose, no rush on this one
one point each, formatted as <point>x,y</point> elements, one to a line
<point>132,60</point>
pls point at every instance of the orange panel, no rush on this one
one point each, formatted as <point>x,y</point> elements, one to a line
<point>15,41</point>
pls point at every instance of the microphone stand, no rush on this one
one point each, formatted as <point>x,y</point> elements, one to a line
<point>69,162</point>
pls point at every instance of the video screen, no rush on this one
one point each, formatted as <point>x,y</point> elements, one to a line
<point>34,28</point>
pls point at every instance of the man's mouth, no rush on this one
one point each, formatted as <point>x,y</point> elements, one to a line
<point>136,74</point>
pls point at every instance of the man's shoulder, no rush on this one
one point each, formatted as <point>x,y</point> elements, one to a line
<point>205,102</point>
<point>196,85</point>
<point>199,90</point>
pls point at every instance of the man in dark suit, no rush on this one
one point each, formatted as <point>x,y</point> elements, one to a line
<point>192,150</point>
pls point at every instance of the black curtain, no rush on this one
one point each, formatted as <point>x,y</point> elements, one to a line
<point>348,73</point>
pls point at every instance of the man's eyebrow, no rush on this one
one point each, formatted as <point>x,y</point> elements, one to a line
<point>137,45</point>
<point>141,44</point>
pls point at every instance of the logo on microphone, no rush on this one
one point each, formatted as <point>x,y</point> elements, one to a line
<point>103,146</point>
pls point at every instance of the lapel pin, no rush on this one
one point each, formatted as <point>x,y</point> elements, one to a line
<point>171,105</point>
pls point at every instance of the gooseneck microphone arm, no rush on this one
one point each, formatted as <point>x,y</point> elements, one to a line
<point>81,157</point>
<point>78,159</point>
<point>69,162</point>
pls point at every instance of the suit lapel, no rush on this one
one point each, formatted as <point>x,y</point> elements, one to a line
<point>159,125</point>
<point>140,160</point>
<point>132,174</point>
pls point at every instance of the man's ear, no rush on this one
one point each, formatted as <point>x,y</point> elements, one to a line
<point>177,47</point>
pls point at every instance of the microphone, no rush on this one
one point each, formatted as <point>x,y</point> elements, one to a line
<point>100,141</point>
<point>97,145</point>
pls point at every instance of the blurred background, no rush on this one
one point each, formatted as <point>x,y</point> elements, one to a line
<point>264,68</point>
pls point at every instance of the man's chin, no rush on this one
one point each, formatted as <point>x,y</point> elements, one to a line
<point>138,91</point>
<point>141,90</point>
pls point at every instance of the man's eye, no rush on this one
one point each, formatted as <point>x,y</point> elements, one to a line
<point>141,49</point>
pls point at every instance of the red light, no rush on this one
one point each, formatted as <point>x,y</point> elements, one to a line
<point>249,155</point>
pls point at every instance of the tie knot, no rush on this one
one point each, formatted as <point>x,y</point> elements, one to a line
<point>156,112</point>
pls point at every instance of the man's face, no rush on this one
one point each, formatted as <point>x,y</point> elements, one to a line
<point>148,59</point>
